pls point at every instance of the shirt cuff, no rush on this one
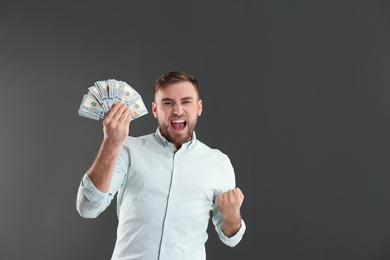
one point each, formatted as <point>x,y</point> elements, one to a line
<point>236,238</point>
<point>90,192</point>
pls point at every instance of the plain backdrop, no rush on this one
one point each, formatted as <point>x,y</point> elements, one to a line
<point>296,93</point>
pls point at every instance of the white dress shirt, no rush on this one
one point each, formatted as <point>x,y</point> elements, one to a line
<point>164,198</point>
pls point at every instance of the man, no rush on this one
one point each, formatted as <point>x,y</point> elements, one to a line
<point>167,182</point>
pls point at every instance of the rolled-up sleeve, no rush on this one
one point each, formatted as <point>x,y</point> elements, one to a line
<point>90,200</point>
<point>233,240</point>
<point>229,184</point>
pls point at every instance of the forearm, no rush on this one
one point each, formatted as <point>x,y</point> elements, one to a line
<point>103,167</point>
<point>229,204</point>
<point>231,226</point>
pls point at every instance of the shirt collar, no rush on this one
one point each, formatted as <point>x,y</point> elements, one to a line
<point>188,145</point>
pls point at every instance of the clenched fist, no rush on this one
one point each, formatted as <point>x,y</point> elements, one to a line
<point>229,204</point>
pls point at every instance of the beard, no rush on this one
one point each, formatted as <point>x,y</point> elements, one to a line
<point>177,139</point>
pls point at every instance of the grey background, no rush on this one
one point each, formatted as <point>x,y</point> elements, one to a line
<point>295,92</point>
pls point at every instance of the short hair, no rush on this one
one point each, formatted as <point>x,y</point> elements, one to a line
<point>174,77</point>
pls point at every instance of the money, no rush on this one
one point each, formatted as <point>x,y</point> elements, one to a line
<point>105,93</point>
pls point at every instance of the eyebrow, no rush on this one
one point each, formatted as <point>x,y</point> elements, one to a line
<point>170,99</point>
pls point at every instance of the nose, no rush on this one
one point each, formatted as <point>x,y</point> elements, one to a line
<point>178,109</point>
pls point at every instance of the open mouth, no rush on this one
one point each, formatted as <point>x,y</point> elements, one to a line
<point>178,124</point>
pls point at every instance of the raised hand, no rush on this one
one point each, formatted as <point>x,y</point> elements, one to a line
<point>116,130</point>
<point>116,125</point>
<point>229,204</point>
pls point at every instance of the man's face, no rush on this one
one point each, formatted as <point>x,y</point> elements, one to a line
<point>177,107</point>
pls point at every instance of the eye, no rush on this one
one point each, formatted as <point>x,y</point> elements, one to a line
<point>168,103</point>
<point>186,102</point>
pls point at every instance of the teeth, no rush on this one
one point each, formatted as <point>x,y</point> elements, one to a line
<point>178,121</point>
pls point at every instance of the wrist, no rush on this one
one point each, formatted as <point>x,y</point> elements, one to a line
<point>231,228</point>
<point>232,217</point>
<point>112,145</point>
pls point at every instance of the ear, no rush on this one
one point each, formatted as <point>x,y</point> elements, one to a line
<point>200,107</point>
<point>154,109</point>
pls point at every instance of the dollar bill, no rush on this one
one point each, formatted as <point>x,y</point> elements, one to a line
<point>115,87</point>
<point>103,86</point>
<point>90,106</point>
<point>127,93</point>
<point>137,107</point>
<point>98,95</point>
<point>97,103</point>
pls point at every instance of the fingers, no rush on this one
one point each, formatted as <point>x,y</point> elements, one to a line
<point>232,194</point>
<point>231,198</point>
<point>229,204</point>
<point>118,111</point>
<point>116,124</point>
<point>127,117</point>
<point>113,110</point>
<point>119,116</point>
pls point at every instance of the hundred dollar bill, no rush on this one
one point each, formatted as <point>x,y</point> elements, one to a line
<point>97,103</point>
<point>90,102</point>
<point>137,107</point>
<point>114,87</point>
<point>91,106</point>
<point>102,85</point>
<point>89,115</point>
<point>98,95</point>
<point>127,93</point>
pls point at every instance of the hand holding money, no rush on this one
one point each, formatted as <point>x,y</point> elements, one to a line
<point>116,125</point>
<point>104,94</point>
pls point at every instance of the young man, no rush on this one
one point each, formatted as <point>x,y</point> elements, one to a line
<point>167,182</point>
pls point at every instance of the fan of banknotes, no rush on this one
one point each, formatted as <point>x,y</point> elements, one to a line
<point>105,93</point>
